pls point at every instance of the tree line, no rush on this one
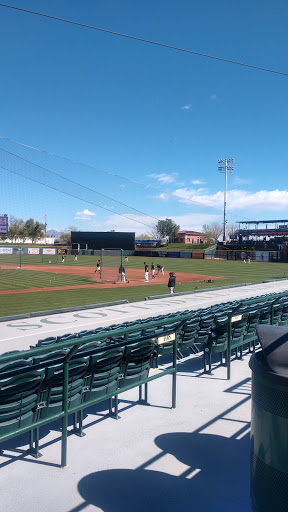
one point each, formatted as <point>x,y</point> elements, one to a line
<point>18,229</point>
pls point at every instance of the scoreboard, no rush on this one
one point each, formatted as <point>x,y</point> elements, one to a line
<point>3,223</point>
<point>103,240</point>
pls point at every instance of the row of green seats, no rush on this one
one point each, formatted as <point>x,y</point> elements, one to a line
<point>32,389</point>
<point>243,331</point>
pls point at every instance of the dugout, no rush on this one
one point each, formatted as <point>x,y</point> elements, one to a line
<point>99,240</point>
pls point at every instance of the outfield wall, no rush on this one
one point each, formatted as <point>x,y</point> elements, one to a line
<point>260,256</point>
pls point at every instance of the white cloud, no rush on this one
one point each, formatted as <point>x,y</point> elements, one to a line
<point>238,199</point>
<point>184,194</point>
<point>198,182</point>
<point>186,107</point>
<point>263,199</point>
<point>213,97</point>
<point>84,215</point>
<point>163,196</point>
<point>164,178</point>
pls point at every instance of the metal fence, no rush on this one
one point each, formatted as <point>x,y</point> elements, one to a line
<point>16,256</point>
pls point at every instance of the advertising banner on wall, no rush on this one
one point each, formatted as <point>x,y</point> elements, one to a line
<point>33,250</point>
<point>6,250</point>
<point>3,223</point>
<point>49,251</point>
<point>197,255</point>
<point>174,254</point>
<point>185,254</point>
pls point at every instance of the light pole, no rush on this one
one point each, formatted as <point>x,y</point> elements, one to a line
<point>225,166</point>
<point>45,218</point>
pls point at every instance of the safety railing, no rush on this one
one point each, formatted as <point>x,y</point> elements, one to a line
<point>73,346</point>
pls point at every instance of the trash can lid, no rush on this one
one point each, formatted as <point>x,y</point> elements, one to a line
<point>274,343</point>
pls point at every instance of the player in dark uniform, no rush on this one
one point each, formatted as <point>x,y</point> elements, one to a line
<point>121,274</point>
<point>171,282</point>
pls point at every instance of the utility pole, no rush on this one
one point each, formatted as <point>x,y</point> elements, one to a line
<point>225,166</point>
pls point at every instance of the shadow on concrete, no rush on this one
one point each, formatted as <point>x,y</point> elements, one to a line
<point>216,479</point>
<point>214,475</point>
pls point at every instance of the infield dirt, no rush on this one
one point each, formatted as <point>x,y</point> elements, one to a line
<point>135,277</point>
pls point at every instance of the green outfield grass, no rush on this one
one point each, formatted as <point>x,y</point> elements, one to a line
<point>22,279</point>
<point>233,272</point>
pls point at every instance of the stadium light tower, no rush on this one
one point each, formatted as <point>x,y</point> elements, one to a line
<point>225,166</point>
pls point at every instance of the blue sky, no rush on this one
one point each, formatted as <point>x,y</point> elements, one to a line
<point>142,113</point>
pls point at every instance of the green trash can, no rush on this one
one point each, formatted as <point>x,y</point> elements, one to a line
<point>269,421</point>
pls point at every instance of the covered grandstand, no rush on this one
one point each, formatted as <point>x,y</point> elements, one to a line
<point>259,240</point>
<point>261,234</point>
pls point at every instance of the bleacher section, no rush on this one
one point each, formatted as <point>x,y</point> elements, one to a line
<point>64,375</point>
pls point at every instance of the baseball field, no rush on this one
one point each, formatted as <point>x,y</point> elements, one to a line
<point>36,287</point>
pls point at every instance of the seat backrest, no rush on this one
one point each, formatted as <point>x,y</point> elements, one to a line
<point>18,365</point>
<point>139,353</point>
<point>22,385</point>
<point>77,370</point>
<point>106,360</point>
<point>87,349</point>
<point>47,341</point>
<point>53,357</point>
<point>67,337</point>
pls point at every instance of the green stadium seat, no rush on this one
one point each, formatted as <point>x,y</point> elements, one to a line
<point>46,341</point>
<point>52,392</point>
<point>265,316</point>
<point>103,374</point>
<point>50,358</point>
<point>250,335</point>
<point>88,349</point>
<point>277,314</point>
<point>284,314</point>
<point>15,365</point>
<point>189,336</point>
<point>137,359</point>
<point>216,342</point>
<point>238,332</point>
<point>67,337</point>
<point>19,398</point>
